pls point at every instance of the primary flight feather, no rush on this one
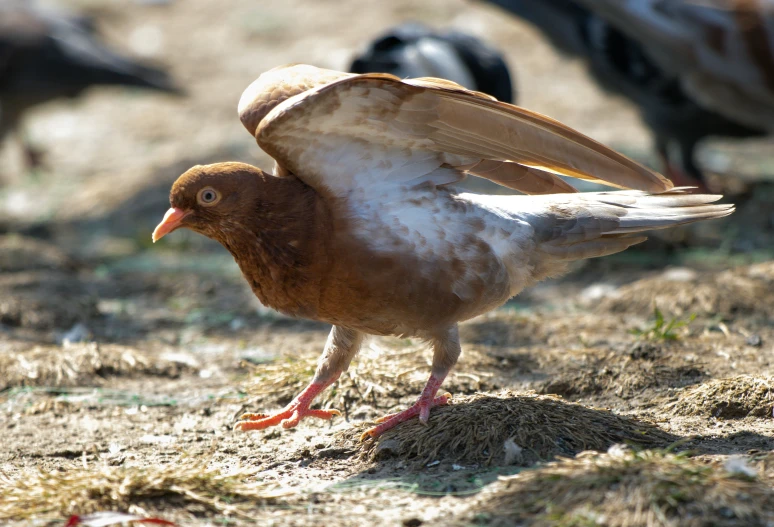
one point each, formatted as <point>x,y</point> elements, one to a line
<point>361,226</point>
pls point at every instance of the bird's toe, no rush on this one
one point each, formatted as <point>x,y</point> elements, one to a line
<point>385,418</point>
<point>252,417</point>
<point>291,421</point>
<point>244,426</point>
<point>323,414</point>
<point>368,434</point>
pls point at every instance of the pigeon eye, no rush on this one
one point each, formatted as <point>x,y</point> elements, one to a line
<point>208,196</point>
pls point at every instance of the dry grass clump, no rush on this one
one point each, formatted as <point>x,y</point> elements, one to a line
<point>732,398</point>
<point>728,294</point>
<point>475,429</point>
<point>623,488</point>
<point>378,376</point>
<point>622,375</point>
<point>76,365</point>
<point>188,484</point>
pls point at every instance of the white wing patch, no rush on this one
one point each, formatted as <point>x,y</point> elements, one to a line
<point>439,226</point>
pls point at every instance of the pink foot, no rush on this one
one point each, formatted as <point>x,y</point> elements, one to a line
<point>291,414</point>
<point>421,408</point>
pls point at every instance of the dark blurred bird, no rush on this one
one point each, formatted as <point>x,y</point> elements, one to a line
<point>413,50</point>
<point>695,68</point>
<point>45,55</point>
<point>361,225</point>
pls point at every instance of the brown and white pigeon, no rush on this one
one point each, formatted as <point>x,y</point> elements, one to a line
<point>361,225</point>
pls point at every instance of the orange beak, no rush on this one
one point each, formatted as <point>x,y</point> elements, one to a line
<point>172,220</point>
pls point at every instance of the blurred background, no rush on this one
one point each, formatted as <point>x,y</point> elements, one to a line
<point>117,349</point>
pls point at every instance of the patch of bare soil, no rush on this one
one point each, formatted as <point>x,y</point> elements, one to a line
<point>173,381</point>
<point>624,375</point>
<point>477,432</point>
<point>170,360</point>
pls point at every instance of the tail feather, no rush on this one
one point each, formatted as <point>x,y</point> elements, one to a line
<point>592,249</point>
<point>657,218</point>
<point>588,225</point>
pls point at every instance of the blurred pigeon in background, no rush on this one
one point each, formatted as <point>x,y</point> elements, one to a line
<point>46,54</point>
<point>414,50</point>
<point>695,68</point>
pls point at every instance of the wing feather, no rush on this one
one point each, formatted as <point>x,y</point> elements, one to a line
<point>365,130</point>
<point>521,178</point>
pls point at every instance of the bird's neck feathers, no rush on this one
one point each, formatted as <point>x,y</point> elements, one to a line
<point>277,247</point>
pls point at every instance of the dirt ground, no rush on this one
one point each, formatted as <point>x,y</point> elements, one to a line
<point>123,366</point>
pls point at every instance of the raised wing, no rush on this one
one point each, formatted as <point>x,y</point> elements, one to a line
<point>278,85</point>
<point>722,50</point>
<point>365,130</point>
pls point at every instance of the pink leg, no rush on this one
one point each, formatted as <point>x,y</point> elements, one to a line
<point>342,345</point>
<point>422,408</point>
<point>292,413</point>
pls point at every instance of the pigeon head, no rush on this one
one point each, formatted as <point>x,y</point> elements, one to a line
<point>216,200</point>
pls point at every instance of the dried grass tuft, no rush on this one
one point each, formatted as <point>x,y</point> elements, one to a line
<point>474,429</point>
<point>731,293</point>
<point>76,365</point>
<point>732,398</point>
<point>188,483</point>
<point>622,488</point>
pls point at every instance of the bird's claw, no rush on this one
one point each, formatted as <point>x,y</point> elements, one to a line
<point>288,418</point>
<point>420,408</point>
